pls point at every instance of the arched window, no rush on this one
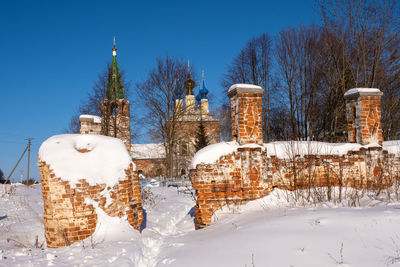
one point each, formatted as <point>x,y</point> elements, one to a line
<point>123,107</point>
<point>114,109</point>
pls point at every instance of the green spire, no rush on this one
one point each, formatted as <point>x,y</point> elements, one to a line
<point>115,89</point>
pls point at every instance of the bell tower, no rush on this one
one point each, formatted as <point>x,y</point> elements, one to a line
<point>115,119</point>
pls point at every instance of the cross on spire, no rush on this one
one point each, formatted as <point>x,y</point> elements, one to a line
<point>114,49</point>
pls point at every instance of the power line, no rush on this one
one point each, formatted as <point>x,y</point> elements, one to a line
<point>12,134</point>
<point>28,147</point>
<point>11,142</point>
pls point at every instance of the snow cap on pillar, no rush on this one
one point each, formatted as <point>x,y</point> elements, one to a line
<point>244,88</point>
<point>356,92</point>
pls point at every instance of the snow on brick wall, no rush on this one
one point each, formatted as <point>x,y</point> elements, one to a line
<point>249,173</point>
<point>237,172</point>
<point>81,174</point>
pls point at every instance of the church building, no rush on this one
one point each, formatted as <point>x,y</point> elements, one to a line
<point>150,159</point>
<point>194,110</point>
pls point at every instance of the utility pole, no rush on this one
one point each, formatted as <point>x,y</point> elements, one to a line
<point>28,147</point>
<point>29,156</point>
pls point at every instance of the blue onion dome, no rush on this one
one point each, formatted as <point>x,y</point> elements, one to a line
<point>198,97</point>
<point>203,92</point>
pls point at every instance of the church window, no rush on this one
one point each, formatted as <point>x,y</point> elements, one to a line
<point>114,109</point>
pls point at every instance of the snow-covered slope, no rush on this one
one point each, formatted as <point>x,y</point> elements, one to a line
<point>265,232</point>
<point>268,232</point>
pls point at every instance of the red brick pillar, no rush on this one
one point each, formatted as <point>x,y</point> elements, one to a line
<point>363,111</point>
<point>246,113</point>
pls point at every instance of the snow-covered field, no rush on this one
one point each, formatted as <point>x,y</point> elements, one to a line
<point>266,232</point>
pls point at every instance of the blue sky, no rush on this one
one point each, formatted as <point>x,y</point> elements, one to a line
<point>52,51</point>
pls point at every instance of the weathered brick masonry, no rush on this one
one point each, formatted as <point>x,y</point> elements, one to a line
<point>68,218</point>
<point>367,168</point>
<point>363,110</point>
<point>246,113</point>
<point>250,173</point>
<point>233,179</point>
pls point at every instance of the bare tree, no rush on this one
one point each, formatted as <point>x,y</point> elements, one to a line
<point>298,74</point>
<point>357,46</point>
<point>287,58</point>
<point>391,101</point>
<point>252,65</point>
<point>363,41</point>
<point>224,114</point>
<point>158,93</point>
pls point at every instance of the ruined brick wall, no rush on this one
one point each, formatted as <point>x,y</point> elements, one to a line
<point>234,179</point>
<point>250,172</point>
<point>68,219</point>
<point>369,168</point>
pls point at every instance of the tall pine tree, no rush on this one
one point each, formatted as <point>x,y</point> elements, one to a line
<point>201,138</point>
